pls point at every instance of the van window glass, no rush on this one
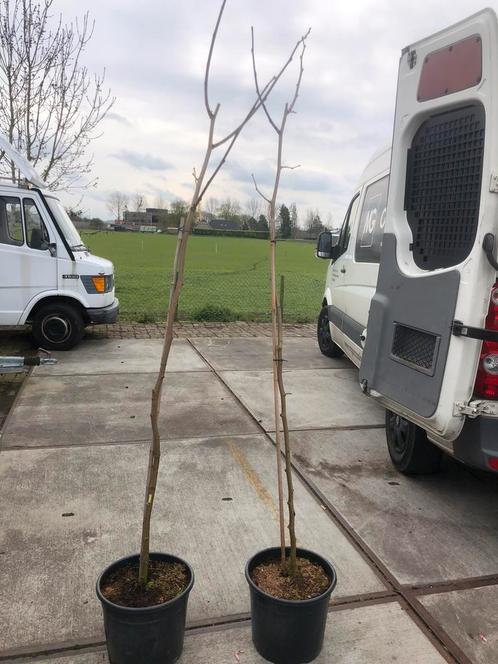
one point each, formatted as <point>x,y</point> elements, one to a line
<point>346,226</point>
<point>11,231</point>
<point>36,232</point>
<point>372,222</point>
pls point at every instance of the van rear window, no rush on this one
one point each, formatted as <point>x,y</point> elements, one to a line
<point>443,186</point>
<point>372,222</point>
<point>451,69</point>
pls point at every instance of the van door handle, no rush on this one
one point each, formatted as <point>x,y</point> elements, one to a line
<point>488,245</point>
<point>343,270</point>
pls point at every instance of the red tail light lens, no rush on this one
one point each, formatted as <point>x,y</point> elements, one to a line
<point>486,386</point>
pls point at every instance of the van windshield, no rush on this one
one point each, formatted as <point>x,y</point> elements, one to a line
<point>66,225</point>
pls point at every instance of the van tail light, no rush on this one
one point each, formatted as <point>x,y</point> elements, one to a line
<point>486,386</point>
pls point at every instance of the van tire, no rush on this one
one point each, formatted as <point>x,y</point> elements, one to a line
<point>57,326</point>
<point>410,450</point>
<point>325,343</point>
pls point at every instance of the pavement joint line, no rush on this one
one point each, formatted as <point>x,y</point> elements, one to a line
<point>135,441</point>
<point>439,587</point>
<point>346,603</point>
<point>345,427</point>
<point>443,643</point>
<point>286,370</point>
<point>41,376</point>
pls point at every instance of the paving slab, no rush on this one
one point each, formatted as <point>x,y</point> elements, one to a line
<point>68,512</point>
<point>319,398</point>
<point>100,356</point>
<point>81,410</point>
<point>256,354</point>
<point>367,635</point>
<point>470,618</point>
<point>426,528</point>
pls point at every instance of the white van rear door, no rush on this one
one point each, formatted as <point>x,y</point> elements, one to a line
<point>433,270</point>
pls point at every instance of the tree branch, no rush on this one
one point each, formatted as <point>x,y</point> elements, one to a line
<point>208,63</point>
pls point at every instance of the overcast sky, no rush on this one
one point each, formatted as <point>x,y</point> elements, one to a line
<point>154,54</point>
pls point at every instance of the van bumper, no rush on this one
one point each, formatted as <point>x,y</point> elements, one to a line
<point>107,314</point>
<point>478,442</point>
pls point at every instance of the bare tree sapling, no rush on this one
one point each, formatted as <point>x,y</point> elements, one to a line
<point>203,178</point>
<point>279,394</point>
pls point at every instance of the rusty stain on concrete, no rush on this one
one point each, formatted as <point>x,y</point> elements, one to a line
<point>253,478</point>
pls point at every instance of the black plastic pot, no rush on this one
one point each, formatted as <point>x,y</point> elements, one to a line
<point>288,631</point>
<point>148,635</point>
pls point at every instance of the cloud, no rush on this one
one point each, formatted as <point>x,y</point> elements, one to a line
<point>117,117</point>
<point>142,161</point>
<point>154,55</point>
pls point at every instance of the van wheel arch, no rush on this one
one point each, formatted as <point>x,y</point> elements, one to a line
<point>58,299</point>
<point>326,344</point>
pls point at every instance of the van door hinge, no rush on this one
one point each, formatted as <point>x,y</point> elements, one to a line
<point>461,330</point>
<point>473,409</point>
<point>493,183</point>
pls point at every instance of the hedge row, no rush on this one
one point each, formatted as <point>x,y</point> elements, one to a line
<point>262,235</point>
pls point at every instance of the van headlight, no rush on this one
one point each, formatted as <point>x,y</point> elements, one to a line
<point>100,283</point>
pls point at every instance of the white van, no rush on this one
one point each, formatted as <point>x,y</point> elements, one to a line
<point>411,295</point>
<point>47,276</point>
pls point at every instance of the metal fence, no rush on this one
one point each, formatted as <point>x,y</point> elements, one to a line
<point>217,296</point>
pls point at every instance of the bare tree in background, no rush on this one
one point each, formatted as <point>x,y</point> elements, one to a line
<point>202,180</point>
<point>253,206</point>
<point>139,202</point>
<point>211,206</point>
<point>279,394</point>
<point>50,106</point>
<point>160,202</point>
<point>229,208</point>
<point>116,204</point>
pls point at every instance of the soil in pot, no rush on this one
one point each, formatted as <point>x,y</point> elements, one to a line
<point>310,581</point>
<point>166,580</point>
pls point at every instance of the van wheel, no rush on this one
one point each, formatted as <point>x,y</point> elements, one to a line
<point>410,450</point>
<point>57,326</point>
<point>325,343</point>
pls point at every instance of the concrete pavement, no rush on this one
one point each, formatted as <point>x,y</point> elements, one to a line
<point>417,559</point>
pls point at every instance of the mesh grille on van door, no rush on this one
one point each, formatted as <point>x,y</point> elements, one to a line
<point>443,186</point>
<point>415,348</point>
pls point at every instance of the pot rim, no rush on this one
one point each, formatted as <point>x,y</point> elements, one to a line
<point>143,609</point>
<point>293,602</point>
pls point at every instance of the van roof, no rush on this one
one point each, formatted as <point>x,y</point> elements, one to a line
<point>379,162</point>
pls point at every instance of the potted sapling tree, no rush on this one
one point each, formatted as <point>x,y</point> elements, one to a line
<point>144,596</point>
<point>290,587</point>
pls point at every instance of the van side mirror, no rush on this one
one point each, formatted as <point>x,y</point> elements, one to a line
<point>51,246</point>
<point>327,244</point>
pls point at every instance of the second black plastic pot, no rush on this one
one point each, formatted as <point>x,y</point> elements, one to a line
<point>288,631</point>
<point>145,635</point>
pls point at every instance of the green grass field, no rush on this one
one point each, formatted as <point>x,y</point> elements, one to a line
<point>225,273</point>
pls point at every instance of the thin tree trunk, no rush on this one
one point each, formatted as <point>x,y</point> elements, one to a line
<point>276,405</point>
<point>288,454</point>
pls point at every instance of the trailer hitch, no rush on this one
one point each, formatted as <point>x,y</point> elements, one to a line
<point>17,364</point>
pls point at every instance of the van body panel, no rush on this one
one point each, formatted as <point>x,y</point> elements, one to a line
<point>25,271</point>
<point>433,270</point>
